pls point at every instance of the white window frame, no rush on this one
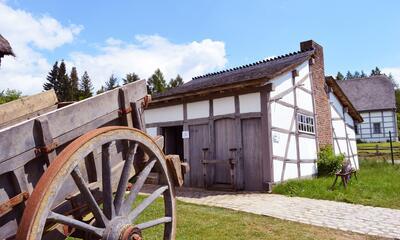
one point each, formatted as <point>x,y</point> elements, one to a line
<point>305,123</point>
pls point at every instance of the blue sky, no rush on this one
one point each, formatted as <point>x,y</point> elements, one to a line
<point>356,35</point>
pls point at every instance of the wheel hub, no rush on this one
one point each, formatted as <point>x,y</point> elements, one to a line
<point>131,233</point>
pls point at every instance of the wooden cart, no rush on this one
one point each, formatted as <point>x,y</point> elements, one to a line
<point>77,171</point>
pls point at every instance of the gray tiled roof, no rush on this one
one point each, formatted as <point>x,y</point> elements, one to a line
<point>267,69</point>
<point>370,93</point>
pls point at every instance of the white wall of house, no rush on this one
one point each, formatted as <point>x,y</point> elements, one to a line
<point>284,145</point>
<point>377,125</point>
<point>199,109</point>
<point>164,114</point>
<point>344,140</point>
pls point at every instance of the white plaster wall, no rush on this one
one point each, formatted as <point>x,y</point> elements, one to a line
<point>338,127</point>
<point>303,71</point>
<point>308,148</point>
<point>164,114</point>
<point>199,109</point>
<point>281,117</point>
<point>290,171</point>
<point>224,105</point>
<point>336,104</point>
<point>308,169</point>
<point>250,102</point>
<point>281,83</point>
<point>342,145</point>
<point>152,131</point>
<point>304,100</point>
<point>277,165</point>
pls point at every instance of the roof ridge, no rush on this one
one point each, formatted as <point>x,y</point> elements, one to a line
<point>253,64</point>
<point>363,78</point>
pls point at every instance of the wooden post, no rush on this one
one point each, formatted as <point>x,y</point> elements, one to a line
<point>239,184</point>
<point>296,130</point>
<point>46,144</point>
<point>391,146</point>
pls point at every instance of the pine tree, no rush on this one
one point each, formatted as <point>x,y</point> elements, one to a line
<point>375,71</point>
<point>349,75</point>
<point>130,77</point>
<point>178,81</point>
<point>85,87</point>
<point>101,90</point>
<point>363,75</point>
<point>65,88</point>
<point>74,79</point>
<point>52,79</point>
<point>156,83</point>
<point>111,83</point>
<point>339,76</point>
<point>356,74</point>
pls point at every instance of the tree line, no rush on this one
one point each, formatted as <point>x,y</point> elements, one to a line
<point>69,87</point>
<point>362,74</point>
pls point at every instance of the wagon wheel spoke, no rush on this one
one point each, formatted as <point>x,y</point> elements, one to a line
<point>88,196</point>
<point>123,181</point>
<point>59,218</point>
<point>153,223</point>
<point>127,205</point>
<point>107,187</point>
<point>143,205</point>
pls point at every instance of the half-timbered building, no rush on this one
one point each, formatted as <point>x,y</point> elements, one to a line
<point>374,98</point>
<point>253,125</point>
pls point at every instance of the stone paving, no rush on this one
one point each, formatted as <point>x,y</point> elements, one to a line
<point>376,221</point>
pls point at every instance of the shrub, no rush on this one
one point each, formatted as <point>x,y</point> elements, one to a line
<point>328,163</point>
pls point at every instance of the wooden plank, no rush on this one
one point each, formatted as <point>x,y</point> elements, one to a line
<point>296,125</point>
<point>25,106</point>
<point>239,184</point>
<point>252,154</point>
<point>45,142</point>
<point>199,139</point>
<point>225,139</point>
<point>266,132</point>
<point>66,120</point>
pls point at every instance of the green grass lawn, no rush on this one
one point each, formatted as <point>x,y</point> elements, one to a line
<point>202,222</point>
<point>378,185</point>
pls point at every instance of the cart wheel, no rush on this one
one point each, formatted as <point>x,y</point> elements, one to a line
<point>114,218</point>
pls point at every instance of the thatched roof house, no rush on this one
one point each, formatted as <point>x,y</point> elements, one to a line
<point>5,48</point>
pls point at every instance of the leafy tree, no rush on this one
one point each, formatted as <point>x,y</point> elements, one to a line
<point>65,88</point>
<point>178,81</point>
<point>156,83</point>
<point>74,81</point>
<point>85,87</point>
<point>111,83</point>
<point>339,76</point>
<point>130,77</point>
<point>9,95</point>
<point>52,79</point>
<point>349,75</point>
<point>375,71</point>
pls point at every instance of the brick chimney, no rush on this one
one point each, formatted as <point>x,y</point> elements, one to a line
<point>321,99</point>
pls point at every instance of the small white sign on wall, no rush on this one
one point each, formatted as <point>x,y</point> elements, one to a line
<point>275,138</point>
<point>185,134</point>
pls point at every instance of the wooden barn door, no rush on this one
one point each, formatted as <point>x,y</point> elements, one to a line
<point>224,140</point>
<point>251,140</point>
<point>199,139</point>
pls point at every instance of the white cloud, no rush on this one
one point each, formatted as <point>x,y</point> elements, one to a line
<point>147,53</point>
<point>30,36</point>
<point>33,36</point>
<point>395,71</point>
